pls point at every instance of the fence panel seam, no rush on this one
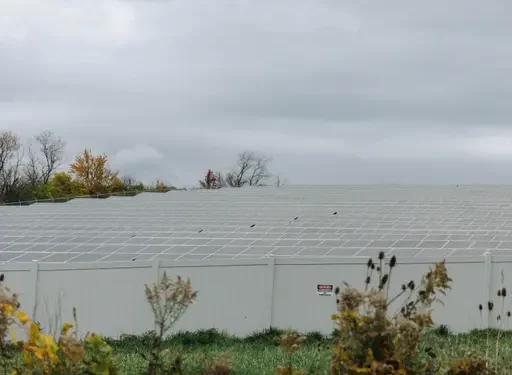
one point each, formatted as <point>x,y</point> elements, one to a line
<point>488,284</point>
<point>156,270</point>
<point>271,269</point>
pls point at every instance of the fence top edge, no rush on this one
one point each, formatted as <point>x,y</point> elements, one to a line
<point>277,261</point>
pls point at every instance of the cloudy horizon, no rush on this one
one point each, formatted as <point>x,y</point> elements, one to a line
<point>334,91</point>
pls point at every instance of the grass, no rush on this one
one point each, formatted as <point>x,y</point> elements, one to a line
<point>260,354</point>
<point>255,354</point>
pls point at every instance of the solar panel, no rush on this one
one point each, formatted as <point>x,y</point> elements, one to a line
<point>252,223</point>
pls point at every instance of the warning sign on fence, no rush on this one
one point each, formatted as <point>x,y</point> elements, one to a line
<point>324,290</point>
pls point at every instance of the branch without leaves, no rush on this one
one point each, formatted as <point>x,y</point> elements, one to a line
<point>252,170</point>
<point>11,156</point>
<point>52,148</point>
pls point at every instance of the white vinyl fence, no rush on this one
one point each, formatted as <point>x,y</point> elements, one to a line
<point>239,296</point>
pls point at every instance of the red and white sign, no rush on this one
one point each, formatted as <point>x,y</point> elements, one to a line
<point>324,290</point>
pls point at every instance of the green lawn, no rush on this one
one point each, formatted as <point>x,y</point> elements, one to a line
<point>260,354</point>
<point>244,358</point>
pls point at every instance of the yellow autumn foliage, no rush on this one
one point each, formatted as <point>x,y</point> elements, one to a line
<point>41,354</point>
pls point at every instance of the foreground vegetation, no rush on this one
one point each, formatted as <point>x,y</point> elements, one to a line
<point>261,354</point>
<point>371,337</point>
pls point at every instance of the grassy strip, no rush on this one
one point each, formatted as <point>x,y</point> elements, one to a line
<point>260,353</point>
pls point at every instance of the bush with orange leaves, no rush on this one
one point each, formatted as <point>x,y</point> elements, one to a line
<point>41,354</point>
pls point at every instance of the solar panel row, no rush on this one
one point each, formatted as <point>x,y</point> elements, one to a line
<point>295,221</point>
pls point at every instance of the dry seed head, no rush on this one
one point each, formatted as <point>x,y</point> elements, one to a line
<point>499,292</point>
<point>381,255</point>
<point>480,307</point>
<point>351,299</point>
<point>490,305</point>
<point>503,292</point>
<point>392,262</point>
<point>370,262</point>
<point>384,279</point>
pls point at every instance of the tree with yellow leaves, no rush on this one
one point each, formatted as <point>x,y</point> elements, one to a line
<point>94,173</point>
<point>161,187</point>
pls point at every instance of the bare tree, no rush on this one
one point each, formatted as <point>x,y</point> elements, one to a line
<point>231,180</point>
<point>278,181</point>
<point>221,180</point>
<point>32,168</point>
<point>251,170</point>
<point>9,146</point>
<point>11,155</point>
<point>52,149</point>
<point>129,182</point>
<point>38,167</point>
<point>11,179</point>
<point>259,170</point>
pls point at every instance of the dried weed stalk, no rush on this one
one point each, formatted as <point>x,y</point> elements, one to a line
<point>219,366</point>
<point>370,340</point>
<point>290,343</point>
<point>473,364</point>
<point>168,300</point>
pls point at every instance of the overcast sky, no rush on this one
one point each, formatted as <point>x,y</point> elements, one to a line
<point>335,91</point>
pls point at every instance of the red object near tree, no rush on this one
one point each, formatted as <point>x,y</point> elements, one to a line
<point>210,181</point>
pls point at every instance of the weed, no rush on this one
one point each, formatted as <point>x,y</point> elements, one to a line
<point>370,340</point>
<point>168,300</point>
<point>219,366</point>
<point>270,336</point>
<point>442,331</point>
<point>290,343</point>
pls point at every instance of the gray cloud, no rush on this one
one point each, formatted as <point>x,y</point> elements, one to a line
<point>335,91</point>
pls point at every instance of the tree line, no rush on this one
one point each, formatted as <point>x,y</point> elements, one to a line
<point>33,171</point>
<point>251,169</point>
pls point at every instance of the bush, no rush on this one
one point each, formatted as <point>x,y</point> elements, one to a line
<point>42,354</point>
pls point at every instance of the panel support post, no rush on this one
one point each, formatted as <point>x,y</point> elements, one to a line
<point>271,269</point>
<point>156,270</point>
<point>488,286</point>
<point>34,277</point>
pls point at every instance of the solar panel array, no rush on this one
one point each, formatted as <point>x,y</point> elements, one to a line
<point>248,223</point>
